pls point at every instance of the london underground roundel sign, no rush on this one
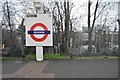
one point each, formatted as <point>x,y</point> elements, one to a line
<point>45,32</point>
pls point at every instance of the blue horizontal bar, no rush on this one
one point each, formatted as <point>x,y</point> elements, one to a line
<point>38,32</point>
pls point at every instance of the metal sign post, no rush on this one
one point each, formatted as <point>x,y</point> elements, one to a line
<point>39,53</point>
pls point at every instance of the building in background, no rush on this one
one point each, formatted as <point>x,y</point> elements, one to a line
<point>102,37</point>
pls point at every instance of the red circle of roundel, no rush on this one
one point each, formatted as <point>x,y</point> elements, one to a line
<point>38,25</point>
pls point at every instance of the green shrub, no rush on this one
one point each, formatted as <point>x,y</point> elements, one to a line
<point>47,56</point>
<point>30,56</point>
<point>54,56</point>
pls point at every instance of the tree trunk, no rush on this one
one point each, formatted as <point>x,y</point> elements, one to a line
<point>89,30</point>
<point>13,45</point>
<point>22,38</point>
<point>71,33</point>
<point>119,38</point>
<point>89,40</point>
<point>61,25</point>
<point>67,32</point>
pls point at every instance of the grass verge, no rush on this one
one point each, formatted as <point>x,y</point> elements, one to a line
<point>55,56</point>
<point>58,56</point>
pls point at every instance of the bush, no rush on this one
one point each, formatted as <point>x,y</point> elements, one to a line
<point>55,56</point>
<point>30,56</point>
<point>11,52</point>
<point>47,56</point>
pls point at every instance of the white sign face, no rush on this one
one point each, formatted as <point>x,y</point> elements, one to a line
<point>39,30</point>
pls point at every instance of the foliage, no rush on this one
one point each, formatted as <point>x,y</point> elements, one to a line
<point>55,56</point>
<point>47,56</point>
<point>30,56</point>
<point>97,57</point>
<point>10,52</point>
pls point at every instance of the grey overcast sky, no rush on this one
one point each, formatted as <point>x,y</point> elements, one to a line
<point>112,16</point>
<point>80,9</point>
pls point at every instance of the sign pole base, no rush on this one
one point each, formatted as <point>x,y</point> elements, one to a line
<point>39,53</point>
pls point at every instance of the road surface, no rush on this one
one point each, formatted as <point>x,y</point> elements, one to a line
<point>90,68</point>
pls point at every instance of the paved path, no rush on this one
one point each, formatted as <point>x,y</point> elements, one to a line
<point>11,66</point>
<point>32,69</point>
<point>93,68</point>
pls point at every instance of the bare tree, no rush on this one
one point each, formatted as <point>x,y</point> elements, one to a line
<point>11,16</point>
<point>100,8</point>
<point>10,23</point>
<point>67,21</point>
<point>61,30</point>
